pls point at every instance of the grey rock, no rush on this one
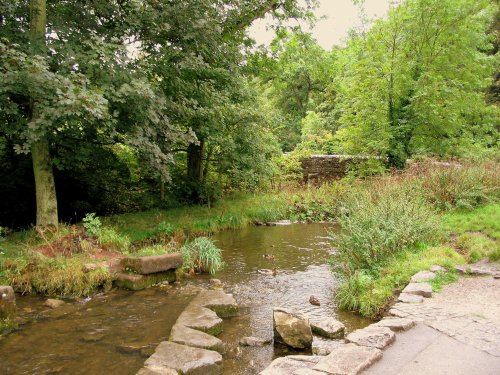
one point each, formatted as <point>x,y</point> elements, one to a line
<point>187,336</point>
<point>348,359</point>
<point>216,283</point>
<point>372,336</point>
<point>290,365</point>
<point>324,348</point>
<point>397,324</point>
<point>254,341</point>
<point>423,276</point>
<point>185,359</point>
<point>201,318</point>
<point>7,302</point>
<point>54,303</point>
<point>329,327</point>
<point>291,329</point>
<point>152,264</point>
<point>419,289</point>
<point>410,298</point>
<point>222,303</point>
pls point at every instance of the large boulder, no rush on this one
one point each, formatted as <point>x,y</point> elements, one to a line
<point>292,329</point>
<point>185,360</point>
<point>152,264</point>
<point>7,302</point>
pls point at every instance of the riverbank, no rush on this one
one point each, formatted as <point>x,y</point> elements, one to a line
<point>447,199</point>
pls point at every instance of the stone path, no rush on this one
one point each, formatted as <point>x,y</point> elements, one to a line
<point>455,332</point>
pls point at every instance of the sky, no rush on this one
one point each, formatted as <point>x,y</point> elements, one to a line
<point>341,16</point>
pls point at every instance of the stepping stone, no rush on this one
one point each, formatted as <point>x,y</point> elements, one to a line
<point>292,329</point>
<point>397,324</point>
<point>419,289</point>
<point>222,303</point>
<point>372,336</point>
<point>254,341</point>
<point>325,347</point>
<point>423,276</point>
<point>290,365</point>
<point>185,359</point>
<point>152,264</point>
<point>329,328</point>
<point>202,319</point>
<point>410,298</point>
<point>348,359</point>
<point>187,336</point>
<point>132,281</point>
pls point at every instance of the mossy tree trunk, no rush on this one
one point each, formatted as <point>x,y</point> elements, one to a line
<point>46,199</point>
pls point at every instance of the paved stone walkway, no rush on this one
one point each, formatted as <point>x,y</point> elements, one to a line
<point>466,311</point>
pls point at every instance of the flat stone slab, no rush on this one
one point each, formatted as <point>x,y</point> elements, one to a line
<point>191,337</point>
<point>325,347</point>
<point>329,328</point>
<point>419,289</point>
<point>290,365</point>
<point>154,370</point>
<point>201,318</point>
<point>185,359</point>
<point>477,270</point>
<point>372,336</point>
<point>291,329</point>
<point>410,298</point>
<point>254,341</point>
<point>348,359</point>
<point>7,302</point>
<point>397,324</point>
<point>132,281</point>
<point>152,264</point>
<point>222,303</point>
<point>423,276</point>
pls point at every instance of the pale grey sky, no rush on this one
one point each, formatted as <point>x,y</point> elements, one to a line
<point>342,15</point>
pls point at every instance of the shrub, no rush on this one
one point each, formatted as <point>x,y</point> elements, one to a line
<point>110,238</point>
<point>459,186</point>
<point>380,222</point>
<point>201,255</point>
<point>92,224</point>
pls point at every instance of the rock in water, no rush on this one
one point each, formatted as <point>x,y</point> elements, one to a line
<point>54,303</point>
<point>292,329</point>
<point>7,302</point>
<point>254,341</point>
<point>330,328</point>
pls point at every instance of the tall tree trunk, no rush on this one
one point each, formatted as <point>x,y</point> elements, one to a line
<point>46,199</point>
<point>195,161</point>
<point>195,169</point>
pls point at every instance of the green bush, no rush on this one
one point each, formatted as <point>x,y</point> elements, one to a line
<point>110,238</point>
<point>92,224</point>
<point>378,223</point>
<point>461,186</point>
<point>201,255</point>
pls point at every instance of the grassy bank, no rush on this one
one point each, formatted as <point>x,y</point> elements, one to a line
<point>395,226</point>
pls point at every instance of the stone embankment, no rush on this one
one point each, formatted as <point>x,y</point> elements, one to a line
<point>192,347</point>
<point>136,273</point>
<point>363,347</point>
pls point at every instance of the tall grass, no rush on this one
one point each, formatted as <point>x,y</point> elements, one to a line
<point>378,223</point>
<point>201,255</point>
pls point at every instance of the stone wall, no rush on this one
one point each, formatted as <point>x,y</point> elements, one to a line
<point>320,168</point>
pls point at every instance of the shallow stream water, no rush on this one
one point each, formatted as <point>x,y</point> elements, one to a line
<point>114,333</point>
